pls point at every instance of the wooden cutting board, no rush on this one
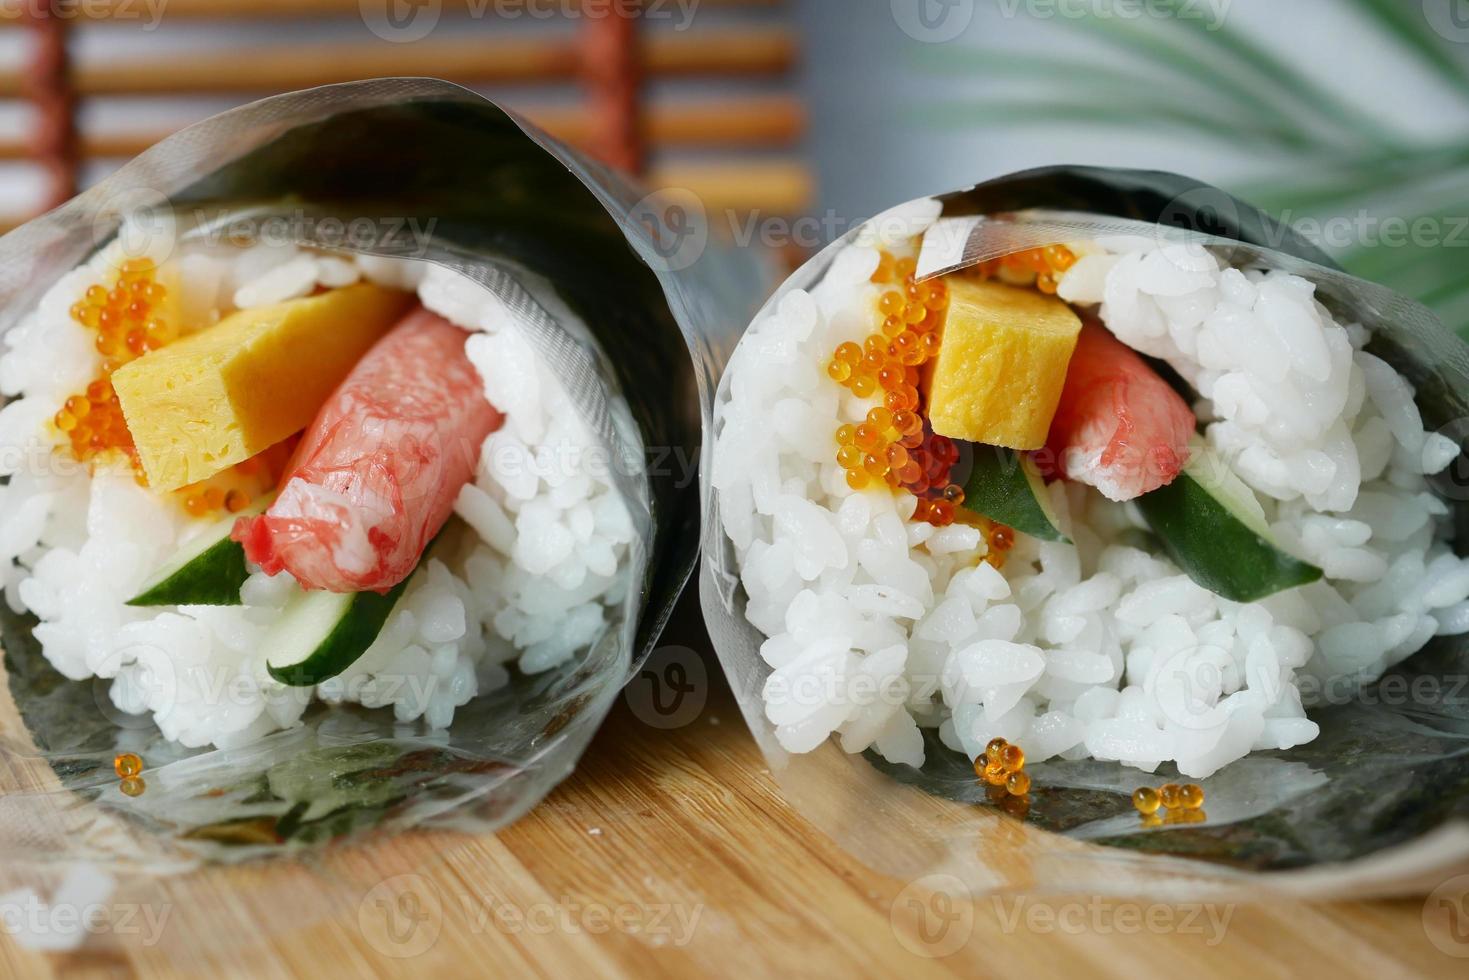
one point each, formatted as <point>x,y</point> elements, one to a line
<point>671,853</point>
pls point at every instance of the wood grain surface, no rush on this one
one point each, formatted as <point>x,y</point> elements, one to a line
<point>671,853</point>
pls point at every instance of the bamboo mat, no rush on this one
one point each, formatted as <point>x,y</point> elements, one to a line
<point>671,853</point>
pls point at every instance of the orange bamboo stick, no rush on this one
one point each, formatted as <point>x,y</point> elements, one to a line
<point>47,84</point>
<point>743,53</point>
<point>612,75</point>
<point>122,10</point>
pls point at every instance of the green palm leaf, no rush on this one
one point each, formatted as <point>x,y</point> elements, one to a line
<point>1257,79</point>
<point>1268,69</point>
<point>1406,22</point>
<point>1114,94</point>
<point>1323,156</point>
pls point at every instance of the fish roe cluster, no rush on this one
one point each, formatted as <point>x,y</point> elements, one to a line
<point>1003,765</point>
<point>233,490</point>
<point>895,444</point>
<point>1180,804</point>
<point>127,327</point>
<point>1041,267</point>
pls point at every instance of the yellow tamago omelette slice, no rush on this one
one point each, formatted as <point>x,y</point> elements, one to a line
<point>999,372</point>
<point>219,396</point>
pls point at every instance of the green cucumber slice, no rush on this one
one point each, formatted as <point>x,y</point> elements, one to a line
<point>320,634</point>
<point>1212,526</point>
<point>207,571</point>
<point>1005,486</point>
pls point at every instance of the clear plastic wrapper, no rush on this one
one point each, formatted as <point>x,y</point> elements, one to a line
<point>1342,815</point>
<point>423,170</point>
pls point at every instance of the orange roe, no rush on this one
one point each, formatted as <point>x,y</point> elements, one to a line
<point>1039,267</point>
<point>233,490</point>
<point>1002,764</point>
<point>122,316</point>
<point>92,421</point>
<point>894,446</point>
<point>127,764</point>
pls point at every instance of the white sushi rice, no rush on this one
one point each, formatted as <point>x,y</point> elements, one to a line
<point>532,580</point>
<point>879,625</point>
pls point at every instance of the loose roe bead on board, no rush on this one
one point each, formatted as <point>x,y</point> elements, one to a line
<point>1145,800</point>
<point>1018,783</point>
<point>127,764</point>
<point>1168,795</point>
<point>1191,796</point>
<point>994,748</point>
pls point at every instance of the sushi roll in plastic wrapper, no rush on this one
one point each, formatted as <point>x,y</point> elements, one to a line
<point>895,654</point>
<point>593,323</point>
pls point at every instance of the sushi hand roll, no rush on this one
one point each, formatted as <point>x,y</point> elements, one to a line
<point>1113,498</point>
<point>299,476</point>
<point>325,503</point>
